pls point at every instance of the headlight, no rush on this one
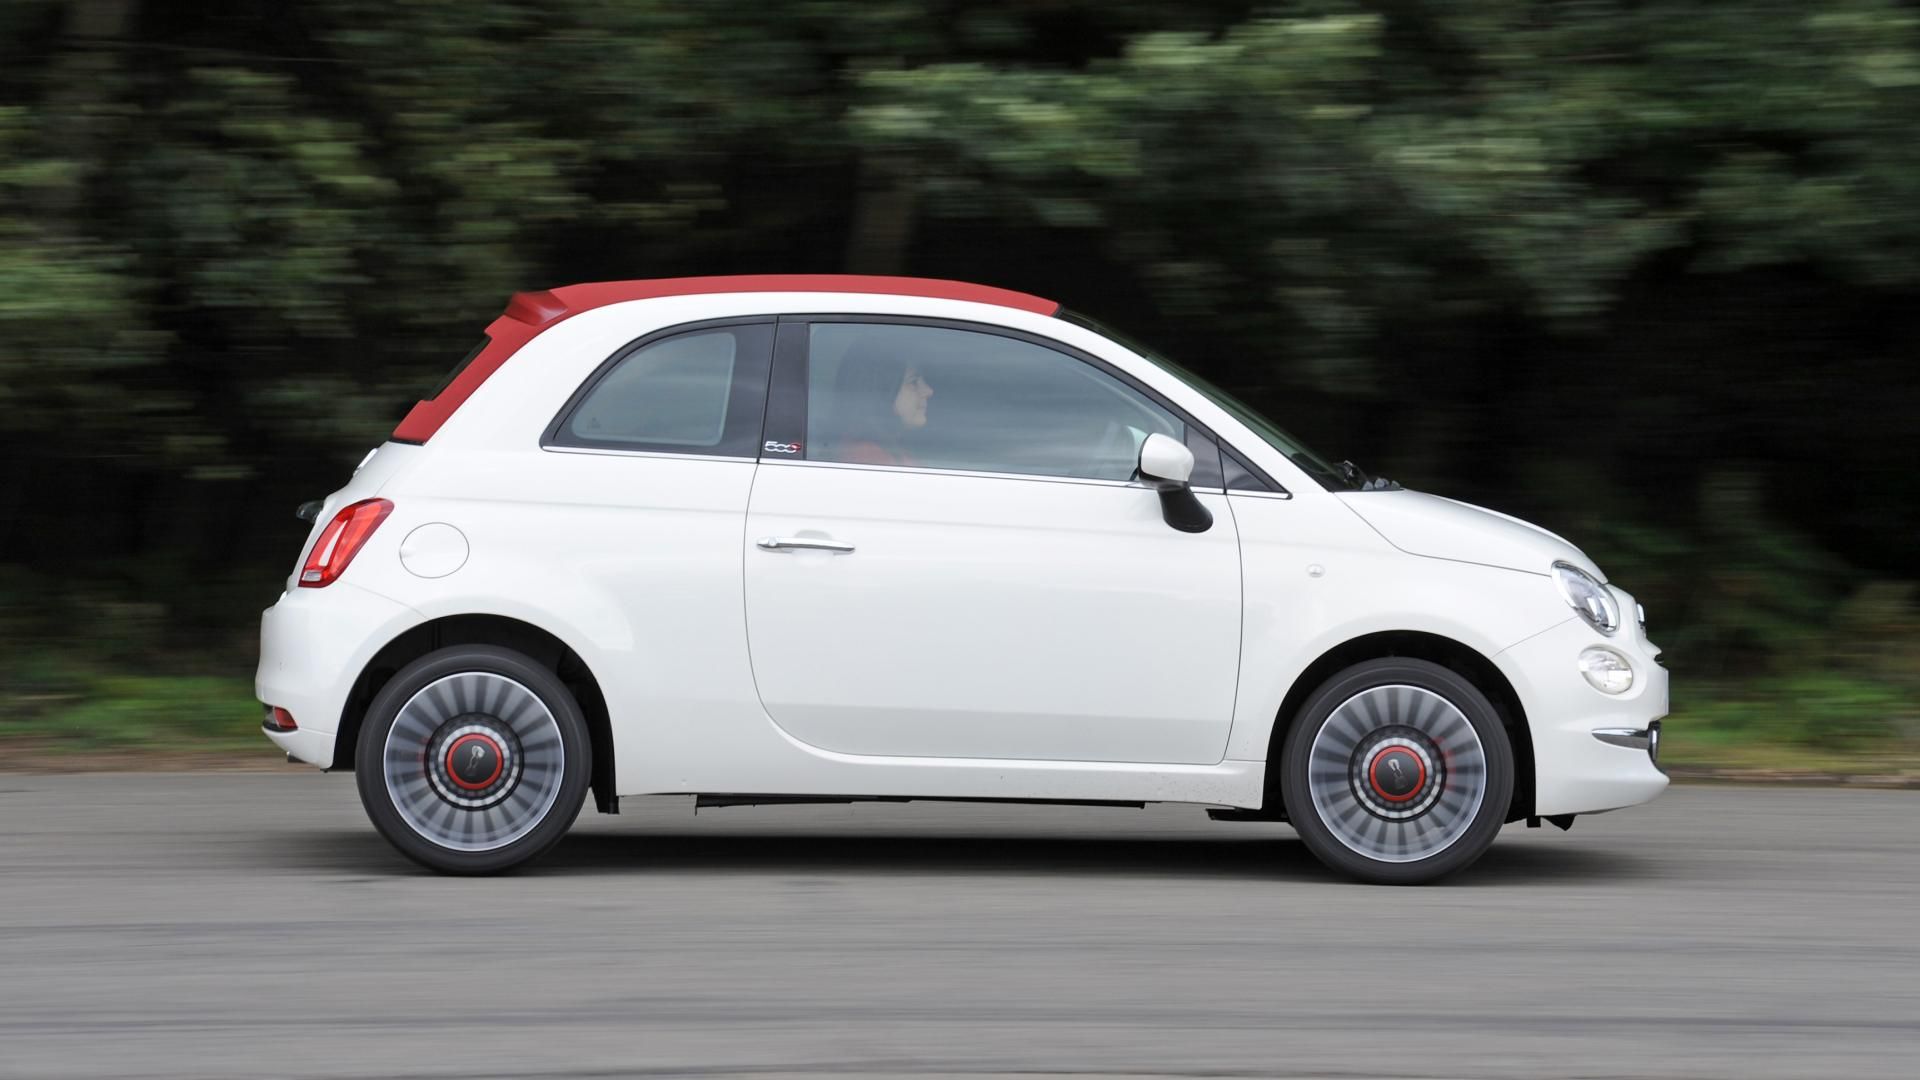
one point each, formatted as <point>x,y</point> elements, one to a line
<point>1606,670</point>
<point>1592,600</point>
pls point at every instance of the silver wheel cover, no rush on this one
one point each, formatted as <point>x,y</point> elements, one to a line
<point>1421,723</point>
<point>482,702</point>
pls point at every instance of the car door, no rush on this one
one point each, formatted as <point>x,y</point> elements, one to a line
<point>947,554</point>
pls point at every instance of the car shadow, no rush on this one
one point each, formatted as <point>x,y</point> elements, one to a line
<point>787,853</point>
<point>1554,859</point>
<point>1267,857</point>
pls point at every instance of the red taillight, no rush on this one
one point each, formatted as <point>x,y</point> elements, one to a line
<point>280,719</point>
<point>341,540</point>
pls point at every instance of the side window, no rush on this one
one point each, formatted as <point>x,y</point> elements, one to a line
<point>697,392</point>
<point>882,394</point>
<point>1241,477</point>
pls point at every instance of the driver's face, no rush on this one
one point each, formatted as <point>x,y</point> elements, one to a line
<point>910,404</point>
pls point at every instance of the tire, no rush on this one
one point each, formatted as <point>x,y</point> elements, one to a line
<point>473,759</point>
<point>1397,772</point>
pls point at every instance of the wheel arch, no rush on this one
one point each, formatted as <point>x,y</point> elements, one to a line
<point>480,629</point>
<point>1463,659</point>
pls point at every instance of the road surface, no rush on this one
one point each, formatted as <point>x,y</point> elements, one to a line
<point>246,925</point>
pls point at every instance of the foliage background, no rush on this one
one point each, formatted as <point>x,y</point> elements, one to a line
<point>1643,271</point>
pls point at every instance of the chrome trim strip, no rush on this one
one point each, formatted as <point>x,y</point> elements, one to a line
<point>1631,738</point>
<point>604,452</point>
<point>921,470</point>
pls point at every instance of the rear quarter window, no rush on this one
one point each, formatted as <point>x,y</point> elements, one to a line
<point>672,393</point>
<point>698,391</point>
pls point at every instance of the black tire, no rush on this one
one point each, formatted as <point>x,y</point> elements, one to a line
<point>1421,789</point>
<point>433,733</point>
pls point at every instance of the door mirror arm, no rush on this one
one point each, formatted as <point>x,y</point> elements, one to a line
<point>1166,466</point>
<point>1181,507</point>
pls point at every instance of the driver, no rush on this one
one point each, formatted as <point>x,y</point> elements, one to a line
<point>878,398</point>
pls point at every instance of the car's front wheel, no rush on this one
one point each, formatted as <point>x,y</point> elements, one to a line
<point>1397,771</point>
<point>473,759</point>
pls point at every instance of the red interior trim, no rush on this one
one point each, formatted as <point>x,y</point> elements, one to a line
<point>529,313</point>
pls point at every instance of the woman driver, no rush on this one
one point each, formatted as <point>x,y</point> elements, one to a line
<point>878,398</point>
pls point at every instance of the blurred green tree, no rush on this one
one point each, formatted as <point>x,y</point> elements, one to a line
<point>1599,263</point>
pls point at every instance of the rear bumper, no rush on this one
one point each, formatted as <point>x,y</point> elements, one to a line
<point>313,645</point>
<point>312,747</point>
<point>1578,768</point>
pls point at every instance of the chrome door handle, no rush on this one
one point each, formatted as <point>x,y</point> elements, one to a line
<point>788,543</point>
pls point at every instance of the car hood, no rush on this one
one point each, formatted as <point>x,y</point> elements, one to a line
<point>1422,524</point>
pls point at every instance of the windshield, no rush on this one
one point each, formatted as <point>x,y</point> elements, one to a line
<point>1329,476</point>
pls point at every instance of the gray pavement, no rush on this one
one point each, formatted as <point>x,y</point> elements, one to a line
<point>230,925</point>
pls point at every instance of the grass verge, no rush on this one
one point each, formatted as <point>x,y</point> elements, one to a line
<point>114,714</point>
<point>1689,745</point>
<point>121,721</point>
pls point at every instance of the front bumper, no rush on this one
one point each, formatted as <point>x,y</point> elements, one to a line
<point>313,645</point>
<point>1577,768</point>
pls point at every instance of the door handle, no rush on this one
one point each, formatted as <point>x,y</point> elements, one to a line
<point>789,543</point>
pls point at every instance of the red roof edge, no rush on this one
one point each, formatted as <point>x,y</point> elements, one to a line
<point>536,308</point>
<point>613,292</point>
<point>529,313</point>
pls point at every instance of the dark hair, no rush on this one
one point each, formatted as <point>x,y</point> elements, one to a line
<point>864,390</point>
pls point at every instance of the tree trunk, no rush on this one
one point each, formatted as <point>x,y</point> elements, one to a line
<point>882,226</point>
<point>82,82</point>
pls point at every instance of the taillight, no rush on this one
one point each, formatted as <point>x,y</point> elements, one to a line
<point>341,540</point>
<point>279,719</point>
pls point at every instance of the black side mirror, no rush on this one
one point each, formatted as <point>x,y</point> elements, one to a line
<point>1167,467</point>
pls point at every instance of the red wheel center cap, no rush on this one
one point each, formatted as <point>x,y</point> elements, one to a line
<point>1397,774</point>
<point>474,761</point>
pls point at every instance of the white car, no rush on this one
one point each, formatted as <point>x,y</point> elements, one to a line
<point>826,538</point>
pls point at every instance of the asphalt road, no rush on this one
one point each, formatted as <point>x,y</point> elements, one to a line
<point>225,925</point>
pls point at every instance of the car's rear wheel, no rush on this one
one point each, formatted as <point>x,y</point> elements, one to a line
<point>1397,771</point>
<point>473,759</point>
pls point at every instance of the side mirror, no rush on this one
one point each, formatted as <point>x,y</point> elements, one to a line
<point>1166,466</point>
<point>1165,460</point>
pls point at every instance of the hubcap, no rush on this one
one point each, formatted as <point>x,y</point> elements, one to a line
<point>1397,773</point>
<point>474,761</point>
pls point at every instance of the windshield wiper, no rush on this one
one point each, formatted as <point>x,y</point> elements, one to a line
<point>1360,481</point>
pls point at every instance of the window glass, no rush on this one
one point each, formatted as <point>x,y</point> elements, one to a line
<point>1330,476</point>
<point>670,394</point>
<point>957,399</point>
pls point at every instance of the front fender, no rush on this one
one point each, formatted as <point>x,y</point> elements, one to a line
<point>1315,578</point>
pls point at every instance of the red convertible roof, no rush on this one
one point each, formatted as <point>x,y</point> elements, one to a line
<point>529,313</point>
